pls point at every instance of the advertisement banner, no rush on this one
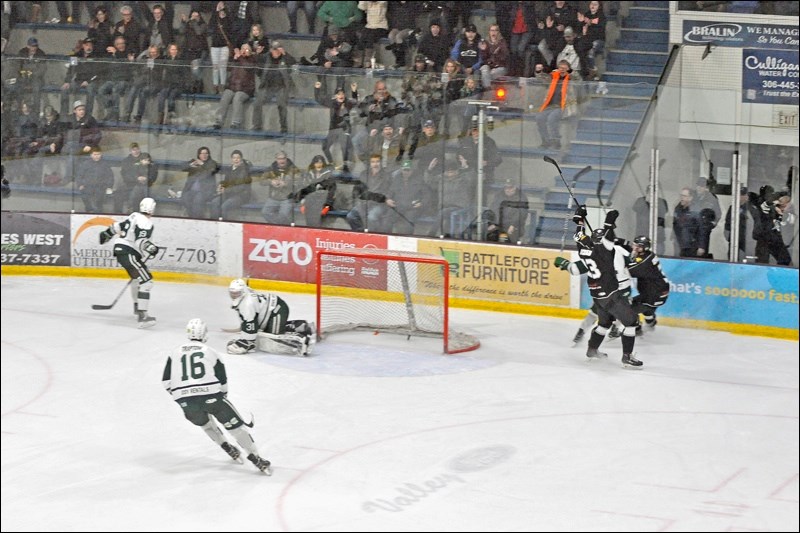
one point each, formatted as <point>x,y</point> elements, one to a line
<point>741,35</point>
<point>733,293</point>
<point>288,254</point>
<point>35,239</point>
<point>189,246</point>
<point>770,76</point>
<point>502,273</point>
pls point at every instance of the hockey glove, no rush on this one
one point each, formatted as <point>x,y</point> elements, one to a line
<point>611,218</point>
<point>106,235</point>
<point>562,263</point>
<point>241,346</point>
<point>149,248</point>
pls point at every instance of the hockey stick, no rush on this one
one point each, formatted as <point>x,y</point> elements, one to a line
<point>569,204</point>
<point>553,162</point>
<point>599,190</point>
<point>101,307</point>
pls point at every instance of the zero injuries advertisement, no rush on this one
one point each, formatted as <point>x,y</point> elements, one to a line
<point>289,254</point>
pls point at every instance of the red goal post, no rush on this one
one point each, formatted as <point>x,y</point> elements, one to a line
<point>389,291</point>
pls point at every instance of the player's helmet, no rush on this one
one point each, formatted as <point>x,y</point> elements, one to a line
<point>236,290</point>
<point>197,330</point>
<point>643,241</point>
<point>598,234</point>
<point>147,206</point>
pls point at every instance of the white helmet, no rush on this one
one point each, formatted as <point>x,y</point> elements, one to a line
<point>147,206</point>
<point>237,290</point>
<point>197,330</point>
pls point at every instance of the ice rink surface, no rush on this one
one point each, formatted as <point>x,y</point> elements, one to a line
<point>381,433</point>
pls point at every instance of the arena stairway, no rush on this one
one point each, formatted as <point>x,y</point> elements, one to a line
<point>607,128</point>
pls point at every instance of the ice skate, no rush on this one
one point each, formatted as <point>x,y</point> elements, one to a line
<point>145,320</point>
<point>629,360</point>
<point>261,464</point>
<point>233,451</point>
<point>578,337</point>
<point>594,353</point>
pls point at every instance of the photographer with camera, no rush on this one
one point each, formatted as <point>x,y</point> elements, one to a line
<point>775,213</point>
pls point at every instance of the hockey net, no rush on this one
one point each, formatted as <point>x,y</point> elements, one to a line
<point>386,291</point>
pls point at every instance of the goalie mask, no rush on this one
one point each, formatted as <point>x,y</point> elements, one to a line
<point>147,206</point>
<point>197,330</point>
<point>236,290</point>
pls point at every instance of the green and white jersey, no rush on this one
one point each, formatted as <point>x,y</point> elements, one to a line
<point>194,369</point>
<point>132,232</point>
<point>255,310</point>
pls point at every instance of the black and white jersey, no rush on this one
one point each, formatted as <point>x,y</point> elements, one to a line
<point>255,310</point>
<point>599,262</point>
<point>132,232</point>
<point>194,369</point>
<point>650,279</point>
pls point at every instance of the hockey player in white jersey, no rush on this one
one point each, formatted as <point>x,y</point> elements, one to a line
<point>132,242</point>
<point>264,324</point>
<point>195,378</point>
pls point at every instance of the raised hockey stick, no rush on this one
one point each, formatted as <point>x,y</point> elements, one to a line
<point>570,206</point>
<point>599,190</point>
<point>101,307</point>
<point>569,190</point>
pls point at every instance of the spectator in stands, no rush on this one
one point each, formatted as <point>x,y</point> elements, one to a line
<point>466,51</point>
<point>573,50</point>
<point>310,9</point>
<point>195,46</point>
<point>243,15</point>
<point>334,51</point>
<point>81,132</point>
<point>101,30</point>
<point>138,173</point>
<point>30,68</point>
<point>339,126</point>
<point>375,29</point>
<point>517,23</point>
<point>704,200</point>
<point>456,199</point>
<point>147,79</point>
<point>234,190</point>
<point>318,172</point>
<point>157,29</point>
<point>402,17</point>
<point>201,183</point>
<point>593,29</point>
<point>641,208</point>
<point>787,222</point>
<point>387,146</point>
<point>768,232</point>
<point>495,57</point>
<point>221,46</point>
<point>25,131</point>
<point>421,99</point>
<point>282,179</point>
<point>429,151</point>
<point>131,29</point>
<point>434,46</point>
<point>118,75</point>
<point>559,16</point>
<point>748,217</point>
<point>345,15</point>
<point>686,228</point>
<point>50,138</point>
<point>471,90</point>
<point>82,75</point>
<point>468,153</point>
<point>559,94</point>
<point>452,81</point>
<point>510,206</point>
<point>259,42</point>
<point>275,81</point>
<point>377,179</point>
<point>376,109</point>
<point>72,16</point>
<point>95,181</point>
<point>241,87</point>
<point>177,76</point>
<point>412,198</point>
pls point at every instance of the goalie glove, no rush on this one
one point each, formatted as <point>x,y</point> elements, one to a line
<point>149,248</point>
<point>106,235</point>
<point>241,346</point>
<point>562,263</point>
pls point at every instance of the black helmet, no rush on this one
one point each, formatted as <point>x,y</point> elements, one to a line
<point>643,241</point>
<point>598,234</point>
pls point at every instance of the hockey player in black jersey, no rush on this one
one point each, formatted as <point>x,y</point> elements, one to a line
<point>597,260</point>
<point>652,285</point>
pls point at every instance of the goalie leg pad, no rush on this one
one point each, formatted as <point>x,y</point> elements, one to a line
<point>287,343</point>
<point>240,346</point>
